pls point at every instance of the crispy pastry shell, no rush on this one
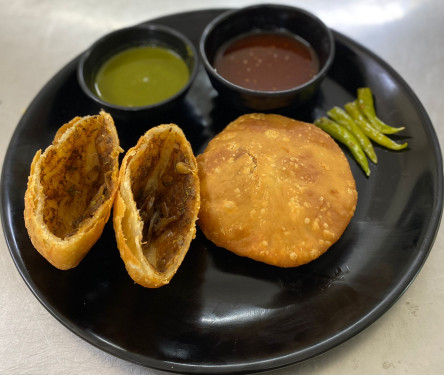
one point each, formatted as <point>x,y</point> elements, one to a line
<point>156,206</point>
<point>275,190</point>
<point>71,189</point>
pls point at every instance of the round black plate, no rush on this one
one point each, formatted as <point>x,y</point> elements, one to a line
<point>223,313</point>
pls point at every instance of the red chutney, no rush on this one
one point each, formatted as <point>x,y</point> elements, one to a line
<point>267,61</point>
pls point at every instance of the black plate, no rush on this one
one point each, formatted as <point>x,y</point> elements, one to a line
<point>223,313</point>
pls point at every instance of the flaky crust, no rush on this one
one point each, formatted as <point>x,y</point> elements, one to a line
<point>274,189</point>
<point>71,189</point>
<point>156,206</point>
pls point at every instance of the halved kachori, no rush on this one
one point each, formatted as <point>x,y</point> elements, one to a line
<point>71,189</point>
<point>156,207</point>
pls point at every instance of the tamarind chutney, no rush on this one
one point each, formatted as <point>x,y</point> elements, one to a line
<point>267,61</point>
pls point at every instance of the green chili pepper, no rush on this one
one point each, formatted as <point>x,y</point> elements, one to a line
<point>344,136</point>
<point>366,105</point>
<point>342,118</point>
<point>376,136</point>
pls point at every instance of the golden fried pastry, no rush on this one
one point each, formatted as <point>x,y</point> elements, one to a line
<point>71,189</point>
<point>274,189</point>
<point>156,206</point>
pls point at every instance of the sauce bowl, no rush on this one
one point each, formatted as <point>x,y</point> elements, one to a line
<point>110,45</point>
<point>266,18</point>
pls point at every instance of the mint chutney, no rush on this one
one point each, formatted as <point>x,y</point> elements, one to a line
<point>141,76</point>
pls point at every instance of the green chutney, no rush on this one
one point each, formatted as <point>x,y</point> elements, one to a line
<point>141,76</point>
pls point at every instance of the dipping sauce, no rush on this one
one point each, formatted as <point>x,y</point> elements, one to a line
<point>267,61</point>
<point>141,76</point>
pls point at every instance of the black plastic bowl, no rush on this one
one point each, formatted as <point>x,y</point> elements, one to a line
<point>117,41</point>
<point>267,18</point>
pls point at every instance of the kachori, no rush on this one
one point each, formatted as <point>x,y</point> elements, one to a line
<point>156,206</point>
<point>275,190</point>
<point>71,189</point>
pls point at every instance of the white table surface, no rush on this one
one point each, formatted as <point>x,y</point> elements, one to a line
<point>38,37</point>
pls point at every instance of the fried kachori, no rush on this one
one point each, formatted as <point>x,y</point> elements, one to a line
<point>71,189</point>
<point>275,190</point>
<point>156,206</point>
